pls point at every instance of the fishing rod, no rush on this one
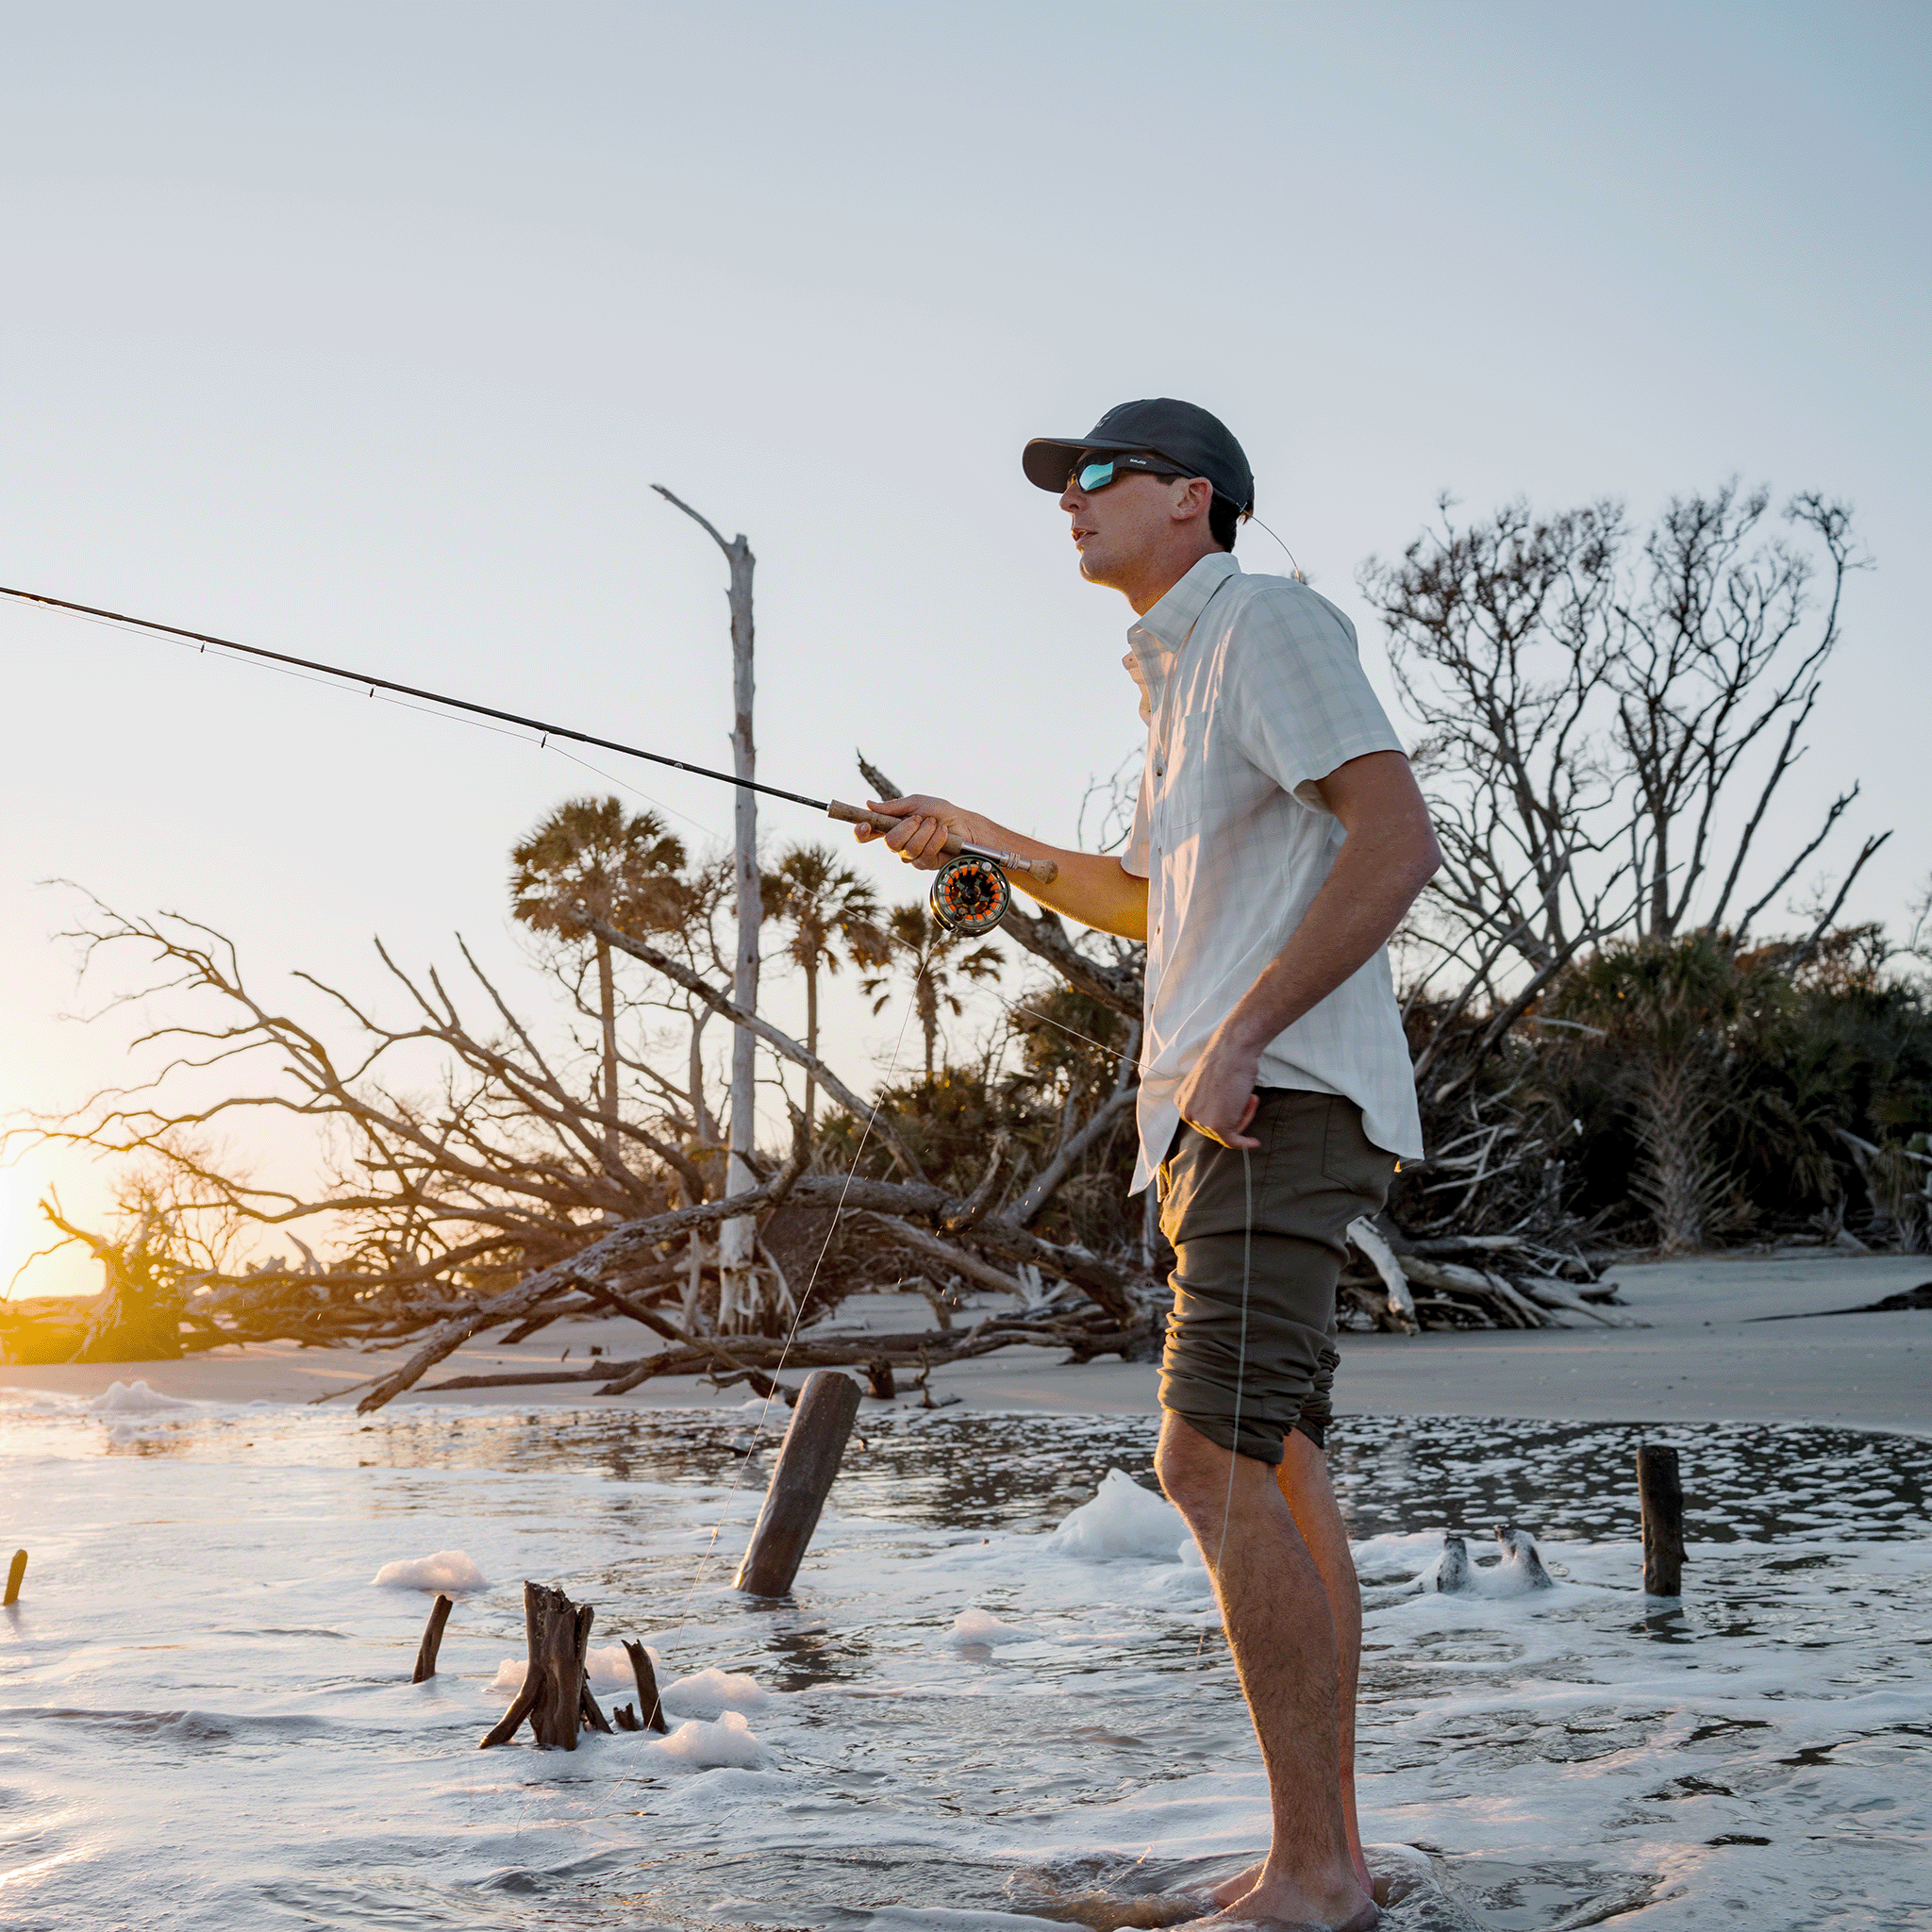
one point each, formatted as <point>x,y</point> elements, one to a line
<point>969,894</point>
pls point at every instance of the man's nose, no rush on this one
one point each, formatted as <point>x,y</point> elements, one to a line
<point>1071,498</point>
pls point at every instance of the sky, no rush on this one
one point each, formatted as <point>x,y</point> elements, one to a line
<point>362,331</point>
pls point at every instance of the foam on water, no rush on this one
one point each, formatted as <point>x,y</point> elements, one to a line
<point>706,1692</point>
<point>207,1719</point>
<point>1122,1519</point>
<point>606,1666</point>
<point>135,1398</point>
<point>447,1570</point>
<point>696,1745</point>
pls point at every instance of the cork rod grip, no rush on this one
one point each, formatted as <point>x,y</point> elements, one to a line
<point>1044,870</point>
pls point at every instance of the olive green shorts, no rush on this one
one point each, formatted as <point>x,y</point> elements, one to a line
<point>1244,1369</point>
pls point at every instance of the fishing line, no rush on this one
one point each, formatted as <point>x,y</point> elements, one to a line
<point>970,892</point>
<point>1240,1365</point>
<point>797,1316</point>
<point>1288,553</point>
<point>538,743</point>
<point>373,684</point>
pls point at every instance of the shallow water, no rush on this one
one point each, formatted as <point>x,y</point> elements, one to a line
<point>208,1721</point>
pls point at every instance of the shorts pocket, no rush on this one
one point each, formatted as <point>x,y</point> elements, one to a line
<point>1350,1160</point>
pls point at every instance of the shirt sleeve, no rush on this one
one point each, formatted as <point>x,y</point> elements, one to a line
<point>1134,854</point>
<point>1302,706</point>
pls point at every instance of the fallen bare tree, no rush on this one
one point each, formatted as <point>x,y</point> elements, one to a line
<point>519,1189</point>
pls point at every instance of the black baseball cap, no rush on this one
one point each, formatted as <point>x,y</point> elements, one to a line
<point>1185,434</point>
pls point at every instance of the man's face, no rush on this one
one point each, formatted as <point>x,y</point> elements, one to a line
<point>1118,527</point>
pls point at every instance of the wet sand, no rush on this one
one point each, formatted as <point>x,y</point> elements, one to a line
<point>1703,1358</point>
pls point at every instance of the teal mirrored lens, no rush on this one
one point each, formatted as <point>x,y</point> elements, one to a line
<point>1096,475</point>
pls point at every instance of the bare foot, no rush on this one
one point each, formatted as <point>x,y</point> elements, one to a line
<point>1282,1905</point>
<point>1238,1886</point>
<point>1244,1882</point>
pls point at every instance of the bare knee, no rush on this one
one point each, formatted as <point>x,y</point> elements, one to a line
<point>1202,1479</point>
<point>1192,1471</point>
<point>1304,1468</point>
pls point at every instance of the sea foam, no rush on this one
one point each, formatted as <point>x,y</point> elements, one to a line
<point>446,1569</point>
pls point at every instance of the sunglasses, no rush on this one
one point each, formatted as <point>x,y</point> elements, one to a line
<point>1098,472</point>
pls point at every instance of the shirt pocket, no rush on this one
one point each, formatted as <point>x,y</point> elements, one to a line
<point>1181,801</point>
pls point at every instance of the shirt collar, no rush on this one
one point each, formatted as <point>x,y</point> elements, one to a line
<point>1154,640</point>
<point>1174,617</point>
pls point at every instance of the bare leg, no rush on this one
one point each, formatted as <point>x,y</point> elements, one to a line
<point>1302,1479</point>
<point>1274,1607</point>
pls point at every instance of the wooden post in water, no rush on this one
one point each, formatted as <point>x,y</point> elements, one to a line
<point>1661,1489</point>
<point>649,1715</point>
<point>432,1639</point>
<point>556,1698</point>
<point>813,1447</point>
<point>16,1571</point>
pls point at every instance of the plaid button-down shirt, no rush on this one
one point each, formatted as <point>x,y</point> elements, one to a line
<point>1252,690</point>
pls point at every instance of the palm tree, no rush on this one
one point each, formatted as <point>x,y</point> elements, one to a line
<point>927,953</point>
<point>624,868</point>
<point>828,908</point>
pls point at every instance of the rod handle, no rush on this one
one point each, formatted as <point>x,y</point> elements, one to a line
<point>1044,870</point>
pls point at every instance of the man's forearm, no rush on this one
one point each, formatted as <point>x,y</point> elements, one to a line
<point>1096,891</point>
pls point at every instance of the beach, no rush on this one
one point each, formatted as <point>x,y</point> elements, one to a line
<point>1708,1354</point>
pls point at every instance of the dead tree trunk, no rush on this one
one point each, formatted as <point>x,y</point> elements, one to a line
<point>556,1634</point>
<point>738,1239</point>
<point>814,1445</point>
<point>1660,1489</point>
<point>432,1639</point>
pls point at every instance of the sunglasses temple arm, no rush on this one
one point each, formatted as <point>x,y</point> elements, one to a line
<point>1044,870</point>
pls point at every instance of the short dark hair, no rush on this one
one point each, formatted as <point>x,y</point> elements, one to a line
<point>1224,519</point>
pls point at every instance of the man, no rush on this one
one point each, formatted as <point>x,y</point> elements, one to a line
<point>1278,838</point>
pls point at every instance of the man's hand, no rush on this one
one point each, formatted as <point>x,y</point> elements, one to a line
<point>925,824</point>
<point>1094,890</point>
<point>1218,1097</point>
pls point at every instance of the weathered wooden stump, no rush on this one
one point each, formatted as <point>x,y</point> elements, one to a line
<point>1660,1487</point>
<point>432,1639</point>
<point>650,1711</point>
<point>556,1696</point>
<point>16,1571</point>
<point>813,1447</point>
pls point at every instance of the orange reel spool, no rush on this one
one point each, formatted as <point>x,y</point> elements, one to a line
<point>970,895</point>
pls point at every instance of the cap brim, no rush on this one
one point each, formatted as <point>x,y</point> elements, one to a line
<point>1048,463</point>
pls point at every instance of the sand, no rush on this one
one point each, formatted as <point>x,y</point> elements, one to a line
<point>1704,1357</point>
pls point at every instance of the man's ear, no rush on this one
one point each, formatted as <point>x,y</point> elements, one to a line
<point>1193,500</point>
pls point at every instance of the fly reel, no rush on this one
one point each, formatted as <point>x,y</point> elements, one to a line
<point>970,895</point>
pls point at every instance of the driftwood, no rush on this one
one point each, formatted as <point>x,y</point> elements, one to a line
<point>1505,1282</point>
<point>759,1355</point>
<point>813,1447</point>
<point>555,1697</point>
<point>1659,1485</point>
<point>648,1703</point>
<point>432,1639</point>
<point>628,1243</point>
<point>506,1726</point>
